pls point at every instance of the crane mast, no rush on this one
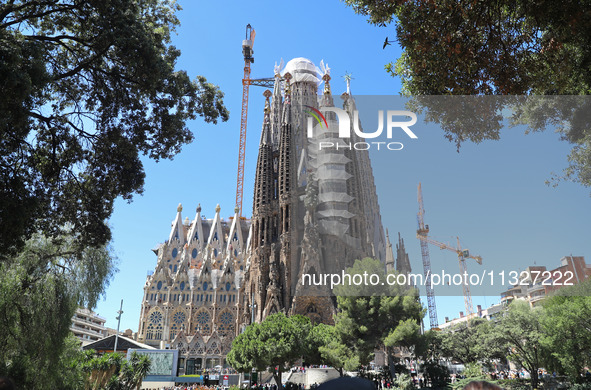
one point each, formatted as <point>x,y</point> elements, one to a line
<point>247,51</point>
<point>463,254</point>
<point>423,231</point>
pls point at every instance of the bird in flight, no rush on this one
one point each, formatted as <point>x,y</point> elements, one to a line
<point>386,43</point>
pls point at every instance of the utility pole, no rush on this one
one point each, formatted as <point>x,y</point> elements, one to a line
<point>118,318</point>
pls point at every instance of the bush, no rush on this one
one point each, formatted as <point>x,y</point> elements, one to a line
<point>472,370</point>
<point>515,384</point>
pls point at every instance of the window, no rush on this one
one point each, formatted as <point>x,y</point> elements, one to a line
<point>203,320</point>
<point>154,330</point>
<point>226,320</point>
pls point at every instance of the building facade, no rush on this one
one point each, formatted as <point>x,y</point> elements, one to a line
<point>535,283</point>
<point>314,211</point>
<point>88,326</point>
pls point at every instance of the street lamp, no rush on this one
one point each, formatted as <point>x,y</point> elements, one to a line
<point>118,318</point>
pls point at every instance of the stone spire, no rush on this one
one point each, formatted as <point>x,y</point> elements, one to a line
<point>390,265</point>
<point>263,187</point>
<point>196,231</point>
<point>327,100</point>
<point>266,132</point>
<point>402,260</point>
<point>285,166</point>
<point>215,242</point>
<point>177,232</point>
<point>276,110</point>
<point>235,239</point>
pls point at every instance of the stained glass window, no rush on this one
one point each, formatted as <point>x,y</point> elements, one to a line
<point>179,317</point>
<point>156,317</point>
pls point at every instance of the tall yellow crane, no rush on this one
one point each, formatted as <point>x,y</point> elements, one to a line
<point>463,254</point>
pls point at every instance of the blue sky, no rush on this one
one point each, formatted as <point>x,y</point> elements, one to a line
<point>492,195</point>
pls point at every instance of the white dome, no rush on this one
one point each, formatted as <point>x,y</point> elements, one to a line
<point>302,69</point>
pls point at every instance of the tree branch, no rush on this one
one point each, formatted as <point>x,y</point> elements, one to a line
<point>34,16</point>
<point>7,10</point>
<point>57,38</point>
<point>81,66</point>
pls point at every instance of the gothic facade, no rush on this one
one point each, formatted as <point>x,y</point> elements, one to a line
<point>192,299</point>
<point>314,212</point>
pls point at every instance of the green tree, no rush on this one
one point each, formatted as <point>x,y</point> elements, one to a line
<point>326,347</point>
<point>471,342</point>
<point>376,316</point>
<point>40,289</point>
<point>505,47</point>
<point>520,331</point>
<point>429,346</point>
<point>274,344</point>
<point>567,329</point>
<point>496,48</point>
<point>87,88</point>
<point>71,375</point>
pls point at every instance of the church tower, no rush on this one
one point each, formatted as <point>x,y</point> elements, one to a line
<point>314,211</point>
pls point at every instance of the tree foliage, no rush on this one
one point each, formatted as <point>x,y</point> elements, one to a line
<point>112,371</point>
<point>520,331</point>
<point>274,344</point>
<point>471,342</point>
<point>88,87</point>
<point>326,347</point>
<point>497,48</point>
<point>40,289</point>
<point>371,317</point>
<point>503,47</point>
<point>567,329</point>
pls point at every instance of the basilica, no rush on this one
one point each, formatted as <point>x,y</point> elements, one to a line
<point>314,211</point>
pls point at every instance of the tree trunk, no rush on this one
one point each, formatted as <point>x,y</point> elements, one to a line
<point>534,377</point>
<point>391,365</point>
<point>277,377</point>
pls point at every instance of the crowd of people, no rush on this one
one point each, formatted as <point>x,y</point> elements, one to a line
<point>380,383</point>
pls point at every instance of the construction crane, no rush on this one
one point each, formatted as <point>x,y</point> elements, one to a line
<point>422,231</point>
<point>267,82</point>
<point>463,254</point>
<point>247,51</point>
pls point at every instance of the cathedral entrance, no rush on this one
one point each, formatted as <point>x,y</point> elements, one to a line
<point>194,366</point>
